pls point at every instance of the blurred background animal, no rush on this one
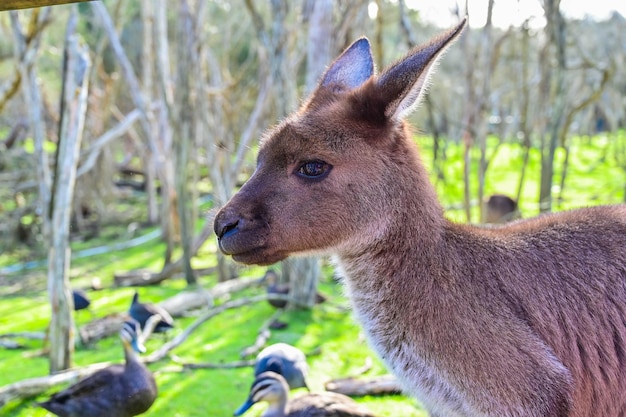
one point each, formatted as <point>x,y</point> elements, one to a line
<point>500,208</point>
<point>116,391</point>
<point>272,388</point>
<point>286,360</point>
<point>141,312</point>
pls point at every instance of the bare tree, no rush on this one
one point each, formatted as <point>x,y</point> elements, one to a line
<point>303,273</point>
<point>183,124</point>
<point>553,88</point>
<point>26,47</point>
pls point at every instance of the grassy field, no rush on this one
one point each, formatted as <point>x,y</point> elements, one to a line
<point>328,330</point>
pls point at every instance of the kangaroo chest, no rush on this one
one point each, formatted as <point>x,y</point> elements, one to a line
<point>393,338</point>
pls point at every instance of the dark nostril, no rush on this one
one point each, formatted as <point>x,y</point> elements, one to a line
<point>227,229</point>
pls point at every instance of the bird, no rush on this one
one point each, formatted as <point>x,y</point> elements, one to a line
<point>272,388</point>
<point>143,311</point>
<point>116,391</point>
<point>81,301</point>
<point>274,287</point>
<point>286,360</point>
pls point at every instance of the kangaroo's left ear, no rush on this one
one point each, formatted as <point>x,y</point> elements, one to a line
<point>352,68</point>
<point>402,84</point>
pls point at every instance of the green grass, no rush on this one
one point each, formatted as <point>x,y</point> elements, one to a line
<point>596,176</point>
<point>329,329</point>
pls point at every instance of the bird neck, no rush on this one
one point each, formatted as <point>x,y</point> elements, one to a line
<point>277,408</point>
<point>130,355</point>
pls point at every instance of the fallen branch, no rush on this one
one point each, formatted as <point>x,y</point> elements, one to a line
<point>180,338</point>
<point>262,337</point>
<point>24,335</point>
<point>176,306</point>
<point>234,285</point>
<point>100,328</point>
<point>35,386</point>
<point>200,298</point>
<point>184,301</point>
<point>367,366</point>
<point>11,344</point>
<point>227,365</point>
<point>353,387</point>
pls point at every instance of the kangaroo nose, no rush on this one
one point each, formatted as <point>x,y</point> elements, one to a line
<point>227,229</point>
<point>224,226</point>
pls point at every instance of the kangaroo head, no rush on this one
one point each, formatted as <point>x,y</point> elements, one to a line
<point>328,177</point>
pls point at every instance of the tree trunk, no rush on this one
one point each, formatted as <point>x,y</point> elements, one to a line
<point>555,29</point>
<point>303,273</point>
<point>182,121</point>
<point>73,105</point>
<point>147,80</point>
<point>26,47</point>
<point>524,88</point>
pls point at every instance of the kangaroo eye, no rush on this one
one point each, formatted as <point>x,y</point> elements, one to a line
<point>313,169</point>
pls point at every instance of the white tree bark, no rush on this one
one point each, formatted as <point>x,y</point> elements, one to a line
<point>75,86</point>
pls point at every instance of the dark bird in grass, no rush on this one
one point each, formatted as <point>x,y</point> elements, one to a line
<point>81,301</point>
<point>272,286</point>
<point>272,388</point>
<point>116,391</point>
<point>286,360</point>
<point>143,311</point>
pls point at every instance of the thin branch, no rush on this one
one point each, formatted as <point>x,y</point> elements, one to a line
<point>94,150</point>
<point>263,335</point>
<point>35,386</point>
<point>253,124</point>
<point>180,339</point>
<point>208,365</point>
<point>28,4</point>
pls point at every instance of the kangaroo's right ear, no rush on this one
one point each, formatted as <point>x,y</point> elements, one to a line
<point>352,68</point>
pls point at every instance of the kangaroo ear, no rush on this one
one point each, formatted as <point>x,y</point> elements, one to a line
<point>352,68</point>
<point>402,84</point>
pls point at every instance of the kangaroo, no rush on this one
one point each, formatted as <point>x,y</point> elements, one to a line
<point>523,319</point>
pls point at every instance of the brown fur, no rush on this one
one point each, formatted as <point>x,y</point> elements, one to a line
<point>527,319</point>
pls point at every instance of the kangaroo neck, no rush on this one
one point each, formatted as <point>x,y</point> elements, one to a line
<point>411,227</point>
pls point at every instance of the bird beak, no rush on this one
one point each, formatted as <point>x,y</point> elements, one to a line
<point>245,407</point>
<point>138,346</point>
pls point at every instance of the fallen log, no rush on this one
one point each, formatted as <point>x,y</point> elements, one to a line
<point>35,386</point>
<point>176,306</point>
<point>181,337</point>
<point>11,344</point>
<point>208,365</point>
<point>353,387</point>
<point>200,298</point>
<point>184,301</point>
<point>24,335</point>
<point>101,328</point>
<point>144,277</point>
